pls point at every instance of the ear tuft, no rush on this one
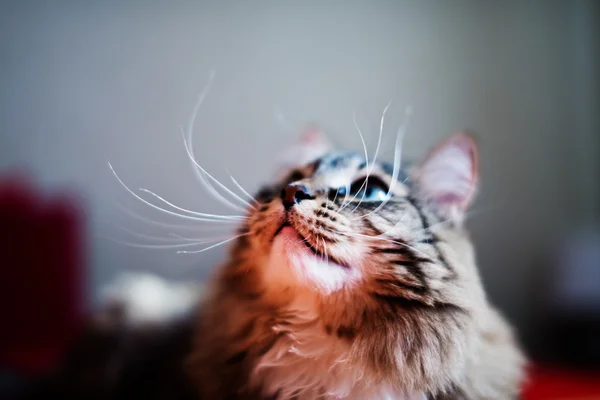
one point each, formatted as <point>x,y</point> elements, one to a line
<point>447,178</point>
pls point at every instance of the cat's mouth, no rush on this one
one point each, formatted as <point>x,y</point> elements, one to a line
<point>288,230</point>
<point>284,225</point>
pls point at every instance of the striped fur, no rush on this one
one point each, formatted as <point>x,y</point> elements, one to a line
<point>380,302</point>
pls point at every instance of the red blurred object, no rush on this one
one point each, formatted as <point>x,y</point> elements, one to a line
<point>551,383</point>
<point>41,271</point>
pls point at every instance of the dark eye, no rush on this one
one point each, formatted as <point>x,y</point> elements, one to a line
<point>374,190</point>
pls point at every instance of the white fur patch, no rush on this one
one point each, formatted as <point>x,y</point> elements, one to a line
<point>291,263</point>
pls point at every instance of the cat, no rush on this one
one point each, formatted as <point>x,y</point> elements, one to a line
<point>339,287</point>
<point>356,280</point>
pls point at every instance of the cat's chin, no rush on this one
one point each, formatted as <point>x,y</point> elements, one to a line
<point>295,262</point>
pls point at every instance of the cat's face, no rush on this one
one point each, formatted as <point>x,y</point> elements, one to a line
<point>334,221</point>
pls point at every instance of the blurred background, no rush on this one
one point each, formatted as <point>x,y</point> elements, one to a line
<point>84,83</point>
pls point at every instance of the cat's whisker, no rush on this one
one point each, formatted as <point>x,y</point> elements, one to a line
<point>379,139</point>
<point>164,225</point>
<point>365,182</point>
<point>211,247</point>
<point>397,161</point>
<point>193,218</point>
<point>173,237</point>
<point>188,239</point>
<point>202,179</point>
<point>157,246</point>
<point>199,171</point>
<point>372,164</point>
<point>199,102</point>
<point>190,137</point>
<point>144,236</point>
<point>347,191</point>
<point>235,182</point>
<point>210,187</point>
<point>381,125</point>
<point>199,214</point>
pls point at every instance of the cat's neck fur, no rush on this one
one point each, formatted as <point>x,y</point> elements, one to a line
<point>304,351</point>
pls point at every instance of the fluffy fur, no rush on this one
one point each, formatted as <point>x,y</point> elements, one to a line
<point>339,297</point>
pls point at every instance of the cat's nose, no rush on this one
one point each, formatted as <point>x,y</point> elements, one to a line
<point>294,194</point>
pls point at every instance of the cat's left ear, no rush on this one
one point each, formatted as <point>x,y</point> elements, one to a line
<point>447,178</point>
<point>309,146</point>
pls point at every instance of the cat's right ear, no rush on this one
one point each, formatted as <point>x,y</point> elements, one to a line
<point>309,146</point>
<point>447,178</point>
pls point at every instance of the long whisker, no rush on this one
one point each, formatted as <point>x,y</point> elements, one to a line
<point>372,164</point>
<point>175,237</point>
<point>190,148</point>
<point>225,188</point>
<point>397,160</point>
<point>199,214</point>
<point>144,236</point>
<point>188,239</point>
<point>211,247</point>
<point>242,189</point>
<point>365,182</point>
<point>381,124</point>
<point>156,246</point>
<point>202,179</point>
<point>346,193</point>
<point>190,138</point>
<point>162,209</point>
<point>166,225</point>
<point>379,139</point>
<point>199,102</point>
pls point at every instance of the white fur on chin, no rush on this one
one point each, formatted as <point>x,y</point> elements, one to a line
<point>293,264</point>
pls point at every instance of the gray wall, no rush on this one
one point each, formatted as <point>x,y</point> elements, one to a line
<point>86,82</point>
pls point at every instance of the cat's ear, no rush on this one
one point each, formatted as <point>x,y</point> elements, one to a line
<point>310,145</point>
<point>447,178</point>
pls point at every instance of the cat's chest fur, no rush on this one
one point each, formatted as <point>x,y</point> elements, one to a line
<point>307,362</point>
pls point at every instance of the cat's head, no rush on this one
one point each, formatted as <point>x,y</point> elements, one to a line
<point>334,221</point>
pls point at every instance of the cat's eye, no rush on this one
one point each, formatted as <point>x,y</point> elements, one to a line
<point>374,190</point>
